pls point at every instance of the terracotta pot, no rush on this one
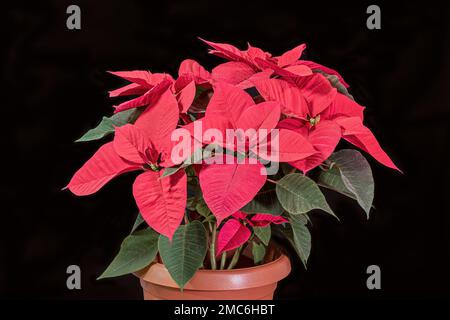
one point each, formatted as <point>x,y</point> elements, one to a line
<point>255,283</point>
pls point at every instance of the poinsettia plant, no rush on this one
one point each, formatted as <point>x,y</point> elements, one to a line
<point>226,158</point>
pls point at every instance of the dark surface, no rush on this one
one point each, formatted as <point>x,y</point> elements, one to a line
<point>55,88</point>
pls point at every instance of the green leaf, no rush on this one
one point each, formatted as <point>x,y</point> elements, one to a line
<point>258,251</point>
<point>139,220</point>
<point>193,159</point>
<point>351,175</point>
<point>106,126</point>
<point>301,236</point>
<point>191,203</point>
<point>334,81</point>
<point>137,251</point>
<point>299,194</point>
<point>263,234</point>
<point>184,255</point>
<point>202,209</point>
<point>265,201</point>
<point>210,218</point>
<point>199,90</point>
<point>170,171</point>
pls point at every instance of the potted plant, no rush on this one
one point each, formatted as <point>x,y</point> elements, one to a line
<point>224,160</point>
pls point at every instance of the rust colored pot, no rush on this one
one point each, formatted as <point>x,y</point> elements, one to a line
<point>255,283</point>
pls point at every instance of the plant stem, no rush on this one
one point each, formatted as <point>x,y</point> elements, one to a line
<point>235,258</point>
<point>223,260</point>
<point>212,248</point>
<point>209,225</point>
<point>273,181</point>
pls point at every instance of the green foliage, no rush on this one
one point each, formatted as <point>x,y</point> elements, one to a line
<point>350,174</point>
<point>263,233</point>
<point>106,126</point>
<point>137,251</point>
<point>137,223</point>
<point>265,201</point>
<point>258,251</point>
<point>184,255</point>
<point>201,208</point>
<point>299,194</point>
<point>301,238</point>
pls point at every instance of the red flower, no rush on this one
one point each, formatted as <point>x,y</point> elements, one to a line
<point>142,146</point>
<point>309,114</point>
<point>255,64</point>
<point>233,108</point>
<point>323,116</point>
<point>229,186</point>
<point>234,232</point>
<point>150,86</point>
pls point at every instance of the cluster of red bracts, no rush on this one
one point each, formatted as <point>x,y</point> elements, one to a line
<point>235,231</point>
<point>295,97</point>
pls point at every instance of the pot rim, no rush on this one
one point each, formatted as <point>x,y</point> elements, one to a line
<point>220,280</point>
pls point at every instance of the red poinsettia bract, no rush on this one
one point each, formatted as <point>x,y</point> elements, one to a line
<point>323,120</point>
<point>235,232</point>
<point>288,97</point>
<point>150,86</point>
<point>142,146</point>
<point>228,186</point>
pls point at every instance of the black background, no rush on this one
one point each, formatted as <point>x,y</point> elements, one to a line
<point>55,88</point>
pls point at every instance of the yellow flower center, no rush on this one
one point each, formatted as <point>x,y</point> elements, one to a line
<point>314,121</point>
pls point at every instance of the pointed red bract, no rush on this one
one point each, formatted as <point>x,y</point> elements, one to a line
<point>232,72</point>
<point>228,101</point>
<point>149,98</point>
<point>324,137</point>
<point>248,83</point>
<point>240,215</point>
<point>186,96</point>
<point>291,99</point>
<point>291,146</point>
<point>131,144</point>
<point>318,92</point>
<point>104,165</point>
<point>252,53</point>
<point>142,78</point>
<point>315,66</point>
<point>228,187</point>
<point>263,220</point>
<point>232,235</point>
<point>182,81</point>
<point>316,89</point>
<point>192,67</point>
<point>161,201</point>
<point>291,56</point>
<point>159,120</point>
<point>260,116</point>
<point>343,106</point>
<point>356,133</point>
<point>299,70</point>
<point>226,51</point>
<point>216,122</point>
<point>128,90</point>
